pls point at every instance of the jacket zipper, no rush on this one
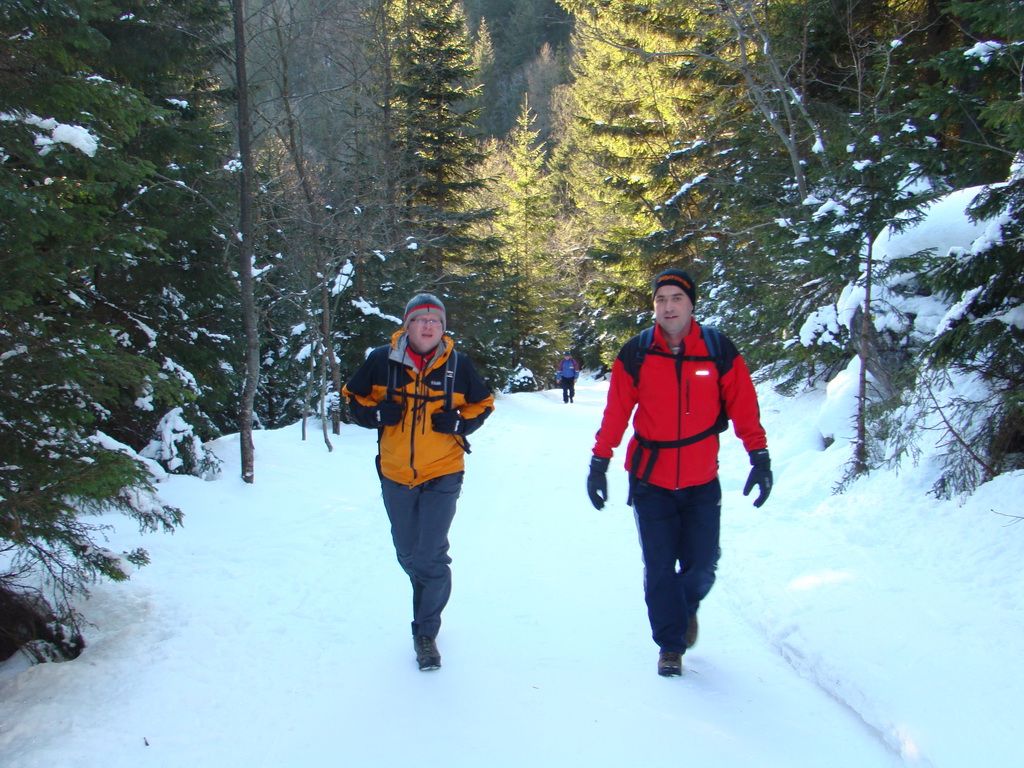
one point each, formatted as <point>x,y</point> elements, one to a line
<point>412,429</point>
<point>684,407</point>
<point>420,394</point>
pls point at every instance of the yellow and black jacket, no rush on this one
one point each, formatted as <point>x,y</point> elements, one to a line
<point>411,452</point>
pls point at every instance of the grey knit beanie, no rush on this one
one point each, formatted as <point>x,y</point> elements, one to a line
<point>423,303</point>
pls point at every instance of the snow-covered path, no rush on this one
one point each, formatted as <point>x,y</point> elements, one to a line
<point>272,630</point>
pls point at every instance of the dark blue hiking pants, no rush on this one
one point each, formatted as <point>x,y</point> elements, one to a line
<point>420,518</point>
<point>568,389</point>
<point>679,533</point>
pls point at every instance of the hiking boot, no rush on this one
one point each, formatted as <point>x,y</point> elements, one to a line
<point>427,655</point>
<point>670,664</point>
<point>691,631</point>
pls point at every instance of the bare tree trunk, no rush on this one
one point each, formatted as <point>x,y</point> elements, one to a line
<point>864,344</point>
<point>386,39</point>
<point>327,331</point>
<point>310,375</point>
<point>314,214</point>
<point>245,258</point>
<point>323,401</point>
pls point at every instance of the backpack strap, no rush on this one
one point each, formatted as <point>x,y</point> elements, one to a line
<point>635,361</point>
<point>391,393</point>
<point>653,447</point>
<point>713,341</point>
<point>451,367</point>
<point>392,387</point>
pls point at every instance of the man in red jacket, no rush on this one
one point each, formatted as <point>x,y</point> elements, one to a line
<point>685,383</point>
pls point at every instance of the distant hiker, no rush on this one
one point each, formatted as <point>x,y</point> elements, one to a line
<point>424,398</point>
<point>568,371</point>
<point>685,383</point>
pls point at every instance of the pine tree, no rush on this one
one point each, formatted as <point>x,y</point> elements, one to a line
<point>983,335</point>
<point>528,329</point>
<point>181,299</point>
<point>490,123</point>
<point>433,151</point>
<point>615,165</point>
<point>435,133</point>
<point>84,143</point>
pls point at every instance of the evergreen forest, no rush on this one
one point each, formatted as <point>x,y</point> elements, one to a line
<point>210,210</point>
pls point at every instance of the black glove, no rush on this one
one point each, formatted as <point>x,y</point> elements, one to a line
<point>760,475</point>
<point>597,482</point>
<point>388,413</point>
<point>448,423</point>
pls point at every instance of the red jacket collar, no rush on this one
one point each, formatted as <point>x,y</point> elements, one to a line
<point>688,339</point>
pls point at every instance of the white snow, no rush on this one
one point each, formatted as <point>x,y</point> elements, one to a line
<point>984,50</point>
<point>344,278</point>
<point>172,430</point>
<point>370,309</point>
<point>873,629</point>
<point>839,408</point>
<point>944,227</point>
<point>685,189</point>
<point>76,136</point>
<point>946,230</point>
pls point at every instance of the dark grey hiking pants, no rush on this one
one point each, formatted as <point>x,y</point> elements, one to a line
<point>420,518</point>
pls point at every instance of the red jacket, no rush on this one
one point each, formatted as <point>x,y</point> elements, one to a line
<point>678,398</point>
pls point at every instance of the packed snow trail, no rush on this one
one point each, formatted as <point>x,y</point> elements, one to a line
<point>273,630</point>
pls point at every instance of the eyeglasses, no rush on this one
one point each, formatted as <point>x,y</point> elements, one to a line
<point>427,321</point>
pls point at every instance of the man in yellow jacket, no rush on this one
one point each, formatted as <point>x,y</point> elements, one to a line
<point>424,398</point>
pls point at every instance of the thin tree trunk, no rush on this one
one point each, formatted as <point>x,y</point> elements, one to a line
<point>323,401</point>
<point>246,240</point>
<point>315,217</point>
<point>307,402</point>
<point>861,450</point>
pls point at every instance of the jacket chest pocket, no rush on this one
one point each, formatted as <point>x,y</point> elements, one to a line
<point>700,384</point>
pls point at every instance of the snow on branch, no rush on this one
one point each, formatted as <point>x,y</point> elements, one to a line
<point>54,132</point>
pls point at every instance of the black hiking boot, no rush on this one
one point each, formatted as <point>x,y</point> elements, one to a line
<point>670,664</point>
<point>691,631</point>
<point>427,655</point>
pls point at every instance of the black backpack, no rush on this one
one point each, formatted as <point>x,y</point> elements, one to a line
<point>634,363</point>
<point>712,340</point>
